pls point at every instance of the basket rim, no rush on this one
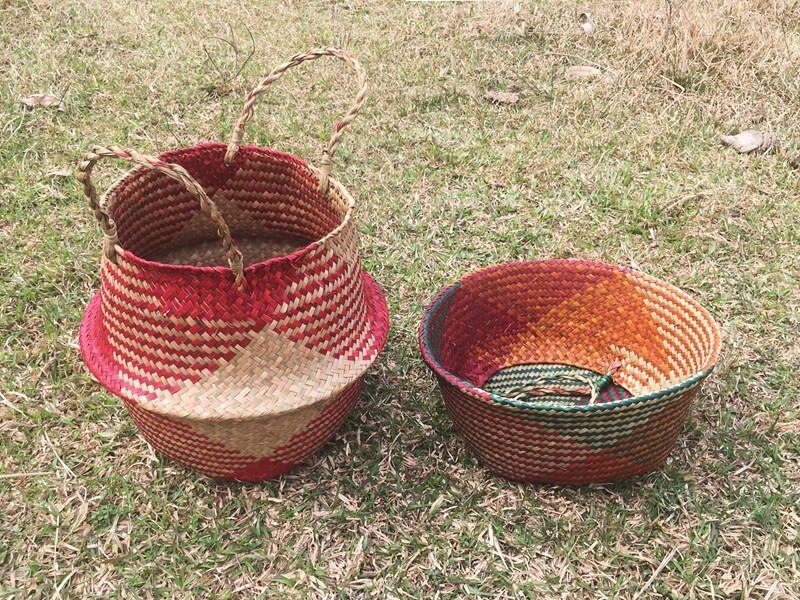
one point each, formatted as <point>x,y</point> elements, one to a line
<point>89,329</point>
<point>269,262</point>
<point>486,396</point>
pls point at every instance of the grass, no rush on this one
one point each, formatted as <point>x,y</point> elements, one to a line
<point>625,168</point>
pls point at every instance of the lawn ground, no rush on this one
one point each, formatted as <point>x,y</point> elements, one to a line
<point>624,168</point>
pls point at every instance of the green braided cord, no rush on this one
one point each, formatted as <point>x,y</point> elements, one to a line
<point>551,385</point>
<point>563,387</point>
<point>558,384</point>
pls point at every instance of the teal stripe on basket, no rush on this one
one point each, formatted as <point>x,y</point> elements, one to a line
<point>433,339</point>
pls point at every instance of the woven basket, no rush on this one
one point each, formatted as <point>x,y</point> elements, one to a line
<point>236,358</point>
<point>564,371</point>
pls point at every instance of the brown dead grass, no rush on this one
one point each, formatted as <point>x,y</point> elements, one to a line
<point>728,44</point>
<point>733,42</point>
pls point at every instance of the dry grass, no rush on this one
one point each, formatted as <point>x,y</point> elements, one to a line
<point>735,43</point>
<point>624,168</point>
<point>748,50</point>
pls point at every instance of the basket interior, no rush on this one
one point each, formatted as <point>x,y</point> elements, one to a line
<point>582,314</point>
<point>269,199</point>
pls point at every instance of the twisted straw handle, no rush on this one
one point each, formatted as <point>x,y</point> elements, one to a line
<point>326,165</point>
<point>171,170</point>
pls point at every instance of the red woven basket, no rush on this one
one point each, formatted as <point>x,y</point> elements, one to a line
<point>236,358</point>
<point>565,371</point>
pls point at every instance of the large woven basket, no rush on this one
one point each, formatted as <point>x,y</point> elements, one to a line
<point>565,371</point>
<point>233,318</point>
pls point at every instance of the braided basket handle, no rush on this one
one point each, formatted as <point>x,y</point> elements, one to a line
<point>171,170</point>
<point>327,155</point>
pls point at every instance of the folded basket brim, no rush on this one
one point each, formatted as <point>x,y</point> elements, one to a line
<point>217,401</point>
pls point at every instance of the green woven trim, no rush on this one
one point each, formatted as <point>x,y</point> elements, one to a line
<point>505,381</point>
<point>670,391</point>
<point>442,304</point>
<point>445,299</point>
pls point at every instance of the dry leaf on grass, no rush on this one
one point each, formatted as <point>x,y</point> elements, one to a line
<point>583,72</point>
<point>586,22</point>
<point>750,141</point>
<point>43,101</point>
<point>501,97</point>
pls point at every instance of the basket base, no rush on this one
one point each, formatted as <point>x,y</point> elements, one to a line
<point>542,445</point>
<point>506,380</point>
<point>179,442</point>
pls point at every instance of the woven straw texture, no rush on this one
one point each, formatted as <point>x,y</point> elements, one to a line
<point>512,346</point>
<point>233,317</point>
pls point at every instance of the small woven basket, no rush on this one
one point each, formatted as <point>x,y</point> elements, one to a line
<point>565,371</point>
<point>236,358</point>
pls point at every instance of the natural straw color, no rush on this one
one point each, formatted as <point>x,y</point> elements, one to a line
<point>326,162</point>
<point>238,381</point>
<point>516,326</point>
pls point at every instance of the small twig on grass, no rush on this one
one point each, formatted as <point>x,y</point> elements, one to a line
<point>225,74</point>
<point>64,582</point>
<point>583,60</point>
<point>655,574</point>
<point>20,475</point>
<point>673,82</point>
<point>6,402</point>
<point>55,453</point>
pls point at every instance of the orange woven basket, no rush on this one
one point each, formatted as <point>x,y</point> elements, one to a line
<point>233,317</point>
<point>568,371</point>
